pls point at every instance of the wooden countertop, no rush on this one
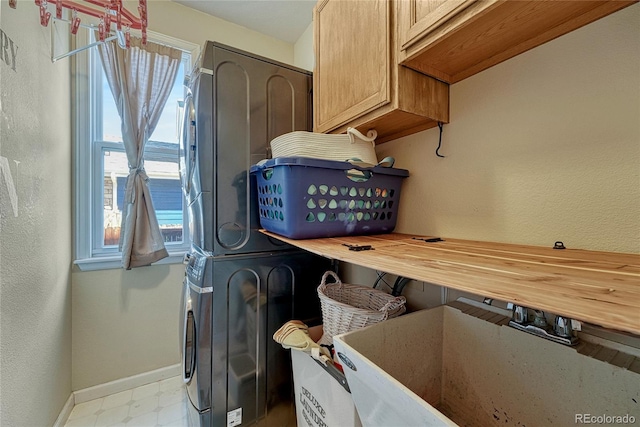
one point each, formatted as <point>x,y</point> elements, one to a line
<point>602,288</point>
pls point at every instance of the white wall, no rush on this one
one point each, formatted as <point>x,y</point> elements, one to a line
<point>303,55</point>
<point>35,245</point>
<point>543,147</point>
<point>126,322</point>
<point>176,20</point>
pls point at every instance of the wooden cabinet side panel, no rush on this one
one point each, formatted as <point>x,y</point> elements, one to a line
<point>353,52</point>
<point>423,95</point>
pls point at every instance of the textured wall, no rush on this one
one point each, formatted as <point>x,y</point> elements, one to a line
<point>35,244</point>
<point>124,322</point>
<point>176,20</point>
<point>303,55</point>
<point>543,147</point>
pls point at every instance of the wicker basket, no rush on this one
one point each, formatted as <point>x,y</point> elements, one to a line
<point>348,307</point>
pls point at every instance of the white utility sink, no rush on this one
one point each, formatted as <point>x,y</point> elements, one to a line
<point>444,367</point>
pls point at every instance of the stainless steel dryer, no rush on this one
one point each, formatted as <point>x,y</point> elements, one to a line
<point>235,105</point>
<point>235,373</point>
<point>196,333</point>
<point>240,286</point>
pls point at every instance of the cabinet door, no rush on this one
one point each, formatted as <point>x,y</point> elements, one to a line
<point>352,43</point>
<point>420,17</point>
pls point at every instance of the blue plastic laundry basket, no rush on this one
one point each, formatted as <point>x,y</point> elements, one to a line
<point>304,198</point>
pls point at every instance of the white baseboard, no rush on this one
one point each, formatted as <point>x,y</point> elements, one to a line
<point>65,412</point>
<point>102,390</point>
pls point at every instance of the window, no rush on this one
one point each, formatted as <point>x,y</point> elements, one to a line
<point>102,167</point>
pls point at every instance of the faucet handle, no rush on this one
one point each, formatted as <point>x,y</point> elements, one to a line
<point>562,327</point>
<point>540,320</point>
<point>519,314</point>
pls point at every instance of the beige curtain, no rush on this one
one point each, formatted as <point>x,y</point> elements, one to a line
<point>141,79</point>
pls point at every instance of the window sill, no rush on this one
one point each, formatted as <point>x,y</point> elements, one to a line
<point>115,261</point>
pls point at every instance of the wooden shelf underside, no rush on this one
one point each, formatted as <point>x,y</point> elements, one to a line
<point>602,288</point>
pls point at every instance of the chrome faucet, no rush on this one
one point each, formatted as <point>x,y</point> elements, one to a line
<point>520,315</point>
<point>561,332</point>
<point>562,327</point>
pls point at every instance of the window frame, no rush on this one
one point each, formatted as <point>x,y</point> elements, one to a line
<point>88,180</point>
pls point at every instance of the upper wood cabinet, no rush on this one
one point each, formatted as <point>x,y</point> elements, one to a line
<point>420,17</point>
<point>454,39</point>
<point>357,80</point>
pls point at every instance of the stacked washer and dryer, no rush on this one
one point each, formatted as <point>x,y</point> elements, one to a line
<point>240,286</point>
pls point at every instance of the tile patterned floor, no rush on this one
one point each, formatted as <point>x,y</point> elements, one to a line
<point>163,403</point>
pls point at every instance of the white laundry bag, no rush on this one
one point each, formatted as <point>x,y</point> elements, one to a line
<point>320,399</point>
